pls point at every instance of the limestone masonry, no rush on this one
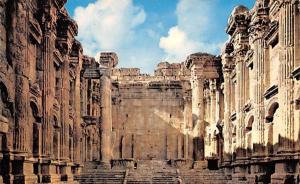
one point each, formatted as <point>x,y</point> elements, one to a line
<point>233,118</point>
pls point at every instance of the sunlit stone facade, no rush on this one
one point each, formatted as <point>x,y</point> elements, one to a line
<point>63,114</point>
<point>261,89</point>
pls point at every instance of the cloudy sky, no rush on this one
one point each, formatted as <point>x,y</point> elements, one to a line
<point>145,32</point>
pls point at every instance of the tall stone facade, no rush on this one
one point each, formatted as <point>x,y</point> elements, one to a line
<point>40,95</point>
<point>60,110</point>
<point>261,89</point>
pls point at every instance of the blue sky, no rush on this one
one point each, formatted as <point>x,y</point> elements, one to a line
<point>145,32</point>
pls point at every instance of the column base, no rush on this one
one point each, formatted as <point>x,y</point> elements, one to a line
<point>104,165</point>
<point>200,164</point>
<point>51,178</point>
<point>239,174</point>
<point>278,178</point>
<point>66,172</point>
<point>285,172</point>
<point>20,178</point>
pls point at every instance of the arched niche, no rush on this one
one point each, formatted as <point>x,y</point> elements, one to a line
<point>6,113</point>
<point>248,132</point>
<point>271,112</point>
<point>36,128</point>
<point>272,119</point>
<point>5,104</point>
<point>56,137</point>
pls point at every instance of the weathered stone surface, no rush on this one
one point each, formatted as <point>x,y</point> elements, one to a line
<point>208,119</point>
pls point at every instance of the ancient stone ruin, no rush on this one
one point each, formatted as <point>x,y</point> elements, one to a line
<point>233,118</point>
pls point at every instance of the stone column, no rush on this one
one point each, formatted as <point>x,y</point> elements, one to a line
<point>240,73</point>
<point>65,109</point>
<point>198,113</point>
<point>287,17</point>
<point>18,55</point>
<point>213,106</point>
<point>227,68</point>
<point>106,118</point>
<point>47,101</point>
<point>287,42</point>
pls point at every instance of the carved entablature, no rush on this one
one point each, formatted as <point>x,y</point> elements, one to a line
<point>35,30</point>
<point>296,73</point>
<point>259,24</point>
<point>76,50</point>
<point>247,107</point>
<point>249,58</point>
<point>67,29</point>
<point>164,85</point>
<point>199,60</point>
<point>227,57</point>
<point>274,8</point>
<point>272,91</point>
<point>72,73</point>
<point>58,59</point>
<point>35,89</point>
<point>63,46</point>
<point>238,20</point>
<point>271,35</point>
<point>109,59</point>
<point>241,52</point>
<point>49,18</point>
<point>89,62</point>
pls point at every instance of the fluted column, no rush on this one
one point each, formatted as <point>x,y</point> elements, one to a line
<point>227,60</point>
<point>198,113</point>
<point>213,106</point>
<point>48,92</point>
<point>287,41</point>
<point>240,74</point>
<point>65,109</point>
<point>18,55</point>
<point>106,118</point>
<point>258,28</point>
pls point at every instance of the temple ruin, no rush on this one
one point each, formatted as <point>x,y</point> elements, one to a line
<point>66,118</point>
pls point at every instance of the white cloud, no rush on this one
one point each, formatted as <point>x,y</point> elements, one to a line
<point>107,24</point>
<point>194,24</point>
<point>177,44</point>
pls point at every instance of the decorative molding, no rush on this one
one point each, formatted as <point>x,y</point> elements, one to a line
<point>296,73</point>
<point>272,91</point>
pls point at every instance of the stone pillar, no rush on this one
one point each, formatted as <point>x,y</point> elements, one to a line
<point>287,16</point>
<point>258,126</point>
<point>240,75</point>
<point>106,119</point>
<point>227,68</point>
<point>258,27</point>
<point>213,106</point>
<point>47,101</point>
<point>201,68</point>
<point>18,54</point>
<point>287,42</point>
<point>198,112</point>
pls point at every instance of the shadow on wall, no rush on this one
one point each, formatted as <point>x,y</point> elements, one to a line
<point>152,128</point>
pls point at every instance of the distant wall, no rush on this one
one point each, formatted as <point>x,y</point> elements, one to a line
<point>150,120</point>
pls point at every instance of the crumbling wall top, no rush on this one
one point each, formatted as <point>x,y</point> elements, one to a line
<point>109,59</point>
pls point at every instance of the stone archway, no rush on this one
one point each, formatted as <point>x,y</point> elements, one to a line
<point>36,128</point>
<point>5,115</point>
<point>248,132</point>
<point>272,135</point>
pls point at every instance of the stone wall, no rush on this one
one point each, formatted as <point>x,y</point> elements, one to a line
<point>39,81</point>
<point>150,116</point>
<point>260,67</point>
